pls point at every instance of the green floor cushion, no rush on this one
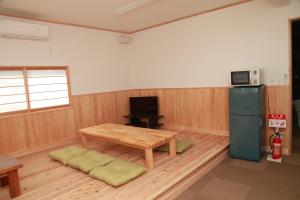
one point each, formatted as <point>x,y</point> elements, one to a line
<point>68,153</point>
<point>89,161</point>
<point>181,146</point>
<point>117,173</point>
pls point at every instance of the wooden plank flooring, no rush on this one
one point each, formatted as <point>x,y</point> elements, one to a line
<point>42,178</point>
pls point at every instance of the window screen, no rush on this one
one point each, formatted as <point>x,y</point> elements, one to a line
<point>12,91</point>
<point>44,88</point>
<point>47,88</point>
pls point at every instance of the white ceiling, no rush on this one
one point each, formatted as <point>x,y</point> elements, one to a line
<point>100,13</point>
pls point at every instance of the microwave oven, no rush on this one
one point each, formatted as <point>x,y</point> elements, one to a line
<point>252,77</point>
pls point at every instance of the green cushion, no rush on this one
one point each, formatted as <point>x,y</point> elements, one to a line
<point>117,173</point>
<point>181,146</point>
<point>68,153</point>
<point>89,161</point>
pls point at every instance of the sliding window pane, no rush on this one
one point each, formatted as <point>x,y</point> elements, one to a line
<point>46,81</point>
<point>12,99</point>
<point>13,107</point>
<point>48,95</point>
<point>47,88</point>
<point>12,91</point>
<point>46,73</point>
<point>49,103</point>
<point>10,74</point>
<point>11,82</point>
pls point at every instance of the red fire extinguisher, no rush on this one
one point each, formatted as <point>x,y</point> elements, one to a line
<point>275,144</point>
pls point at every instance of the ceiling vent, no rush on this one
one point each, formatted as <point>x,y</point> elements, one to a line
<point>23,30</point>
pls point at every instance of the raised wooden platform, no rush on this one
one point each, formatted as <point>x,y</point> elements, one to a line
<point>42,178</point>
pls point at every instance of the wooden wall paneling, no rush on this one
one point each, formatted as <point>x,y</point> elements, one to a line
<point>92,109</point>
<point>25,131</point>
<point>195,105</point>
<point>13,136</point>
<point>206,109</point>
<point>85,110</point>
<point>122,98</point>
<point>122,102</point>
<point>49,127</point>
<point>63,124</point>
<point>181,111</point>
<point>194,109</point>
<point>198,109</point>
<point>220,109</point>
<point>167,102</point>
<point>37,133</point>
<point>106,108</point>
<point>279,100</point>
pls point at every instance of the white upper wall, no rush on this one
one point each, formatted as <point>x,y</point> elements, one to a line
<point>201,51</point>
<point>97,62</point>
<point>195,52</point>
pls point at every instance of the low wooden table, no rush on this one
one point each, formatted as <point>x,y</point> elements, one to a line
<point>9,174</point>
<point>141,138</point>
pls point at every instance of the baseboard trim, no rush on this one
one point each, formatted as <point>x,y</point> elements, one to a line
<point>195,129</point>
<point>30,151</point>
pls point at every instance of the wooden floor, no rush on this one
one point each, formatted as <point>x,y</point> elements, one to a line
<point>42,178</point>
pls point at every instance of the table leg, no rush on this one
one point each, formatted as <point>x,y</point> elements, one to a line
<point>83,140</point>
<point>14,184</point>
<point>172,145</point>
<point>4,181</point>
<point>149,158</point>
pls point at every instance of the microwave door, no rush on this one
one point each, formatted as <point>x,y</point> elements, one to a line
<point>240,78</point>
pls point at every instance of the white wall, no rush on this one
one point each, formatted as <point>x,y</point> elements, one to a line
<point>196,52</point>
<point>201,51</point>
<point>97,62</point>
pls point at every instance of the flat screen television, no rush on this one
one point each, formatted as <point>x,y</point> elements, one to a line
<point>143,105</point>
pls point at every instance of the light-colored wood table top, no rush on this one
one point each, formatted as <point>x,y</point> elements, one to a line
<point>143,137</point>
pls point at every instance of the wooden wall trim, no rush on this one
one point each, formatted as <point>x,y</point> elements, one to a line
<point>47,147</point>
<point>196,129</point>
<point>35,112</point>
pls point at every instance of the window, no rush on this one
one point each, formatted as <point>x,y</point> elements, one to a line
<point>12,91</point>
<point>29,88</point>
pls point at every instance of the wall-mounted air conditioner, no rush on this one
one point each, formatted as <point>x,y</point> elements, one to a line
<point>23,30</point>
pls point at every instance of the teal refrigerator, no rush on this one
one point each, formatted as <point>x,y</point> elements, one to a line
<point>247,122</point>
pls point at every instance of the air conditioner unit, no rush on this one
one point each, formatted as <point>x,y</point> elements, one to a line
<point>23,30</point>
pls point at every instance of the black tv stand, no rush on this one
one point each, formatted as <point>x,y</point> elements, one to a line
<point>144,121</point>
